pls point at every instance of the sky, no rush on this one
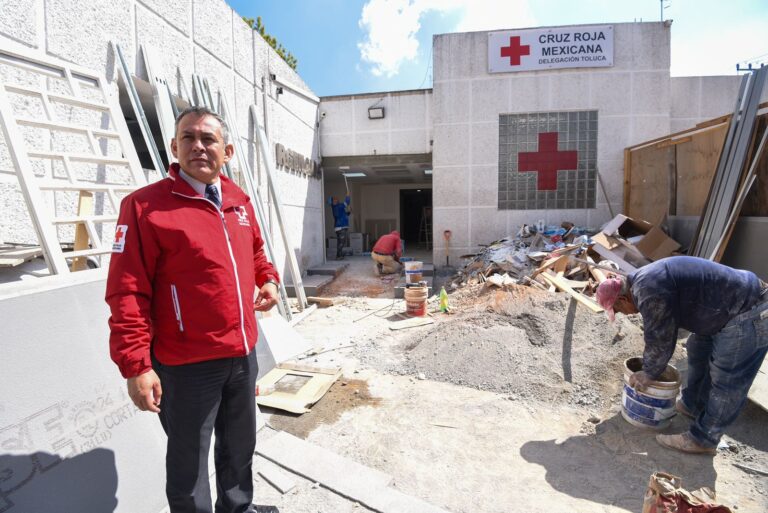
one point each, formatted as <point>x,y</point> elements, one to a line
<point>361,46</point>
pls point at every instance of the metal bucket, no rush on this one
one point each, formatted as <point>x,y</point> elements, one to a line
<point>653,407</point>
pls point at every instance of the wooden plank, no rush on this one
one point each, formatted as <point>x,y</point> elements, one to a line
<point>627,180</point>
<point>696,162</point>
<point>13,256</point>
<point>303,367</point>
<point>596,273</point>
<point>82,239</point>
<point>648,188</point>
<point>322,302</point>
<point>673,142</point>
<point>562,285</point>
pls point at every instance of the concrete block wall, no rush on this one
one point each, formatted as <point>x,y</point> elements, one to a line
<point>406,128</point>
<point>632,98</point>
<point>697,99</point>
<point>194,36</point>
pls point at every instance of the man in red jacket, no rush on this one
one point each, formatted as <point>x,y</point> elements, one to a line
<point>387,252</point>
<point>186,262</point>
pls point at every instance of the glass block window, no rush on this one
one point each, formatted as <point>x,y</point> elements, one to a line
<point>547,160</point>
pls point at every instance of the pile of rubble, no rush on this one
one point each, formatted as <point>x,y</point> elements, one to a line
<point>567,258</point>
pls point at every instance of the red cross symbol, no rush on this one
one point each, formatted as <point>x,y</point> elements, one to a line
<point>119,233</point>
<point>547,161</point>
<point>515,50</point>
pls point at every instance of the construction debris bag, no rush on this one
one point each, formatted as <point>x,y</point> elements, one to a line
<point>666,495</point>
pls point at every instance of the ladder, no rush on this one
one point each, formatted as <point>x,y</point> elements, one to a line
<point>425,227</point>
<point>80,152</point>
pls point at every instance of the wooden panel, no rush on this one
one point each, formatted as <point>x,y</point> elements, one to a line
<point>696,164</point>
<point>649,183</point>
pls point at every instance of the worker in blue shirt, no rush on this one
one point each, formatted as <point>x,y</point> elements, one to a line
<point>340,223</point>
<point>726,311</point>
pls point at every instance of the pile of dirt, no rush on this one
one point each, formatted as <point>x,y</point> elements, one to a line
<point>527,344</point>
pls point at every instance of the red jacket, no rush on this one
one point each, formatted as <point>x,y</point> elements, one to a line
<point>183,275</point>
<point>389,244</point>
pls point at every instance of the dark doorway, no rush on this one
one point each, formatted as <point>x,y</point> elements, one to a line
<point>416,217</point>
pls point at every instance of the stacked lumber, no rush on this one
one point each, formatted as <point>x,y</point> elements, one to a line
<point>736,170</point>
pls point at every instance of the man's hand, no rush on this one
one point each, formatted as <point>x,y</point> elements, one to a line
<point>640,381</point>
<point>145,391</point>
<point>267,297</point>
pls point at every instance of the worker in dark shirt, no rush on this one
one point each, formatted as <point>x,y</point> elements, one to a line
<point>726,311</point>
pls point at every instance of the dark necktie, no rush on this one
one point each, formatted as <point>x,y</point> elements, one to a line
<point>212,194</point>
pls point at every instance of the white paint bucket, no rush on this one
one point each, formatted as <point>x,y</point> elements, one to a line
<point>653,407</point>
<point>413,271</point>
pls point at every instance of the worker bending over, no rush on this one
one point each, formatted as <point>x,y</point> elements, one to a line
<point>726,311</point>
<point>387,252</point>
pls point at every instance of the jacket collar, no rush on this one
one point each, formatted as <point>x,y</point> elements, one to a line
<point>232,195</point>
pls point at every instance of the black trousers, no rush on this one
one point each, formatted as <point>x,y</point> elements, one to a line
<point>342,240</point>
<point>199,399</point>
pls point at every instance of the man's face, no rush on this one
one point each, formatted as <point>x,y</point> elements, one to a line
<point>625,306</point>
<point>200,147</point>
<point>335,200</point>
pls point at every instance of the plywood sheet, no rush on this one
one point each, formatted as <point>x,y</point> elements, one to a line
<point>696,163</point>
<point>649,183</point>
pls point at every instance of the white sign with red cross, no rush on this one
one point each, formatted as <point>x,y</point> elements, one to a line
<point>562,47</point>
<point>118,245</point>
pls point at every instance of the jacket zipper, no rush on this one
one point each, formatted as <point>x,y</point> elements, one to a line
<point>234,265</point>
<point>177,307</point>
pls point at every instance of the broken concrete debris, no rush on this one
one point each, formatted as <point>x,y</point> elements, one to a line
<point>567,258</point>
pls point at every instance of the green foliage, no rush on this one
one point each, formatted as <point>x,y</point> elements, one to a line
<point>258,26</point>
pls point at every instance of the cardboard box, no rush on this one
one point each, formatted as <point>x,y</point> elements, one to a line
<point>654,244</point>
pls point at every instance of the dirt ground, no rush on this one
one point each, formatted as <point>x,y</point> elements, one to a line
<point>510,403</point>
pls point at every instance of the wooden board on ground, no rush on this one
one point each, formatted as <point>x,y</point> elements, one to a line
<point>11,256</point>
<point>322,302</point>
<point>561,284</point>
<point>759,391</point>
<point>295,390</point>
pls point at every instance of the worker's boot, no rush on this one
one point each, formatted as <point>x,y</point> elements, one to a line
<point>681,408</point>
<point>684,442</point>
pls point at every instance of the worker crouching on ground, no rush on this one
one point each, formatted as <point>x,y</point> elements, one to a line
<point>726,311</point>
<point>387,252</point>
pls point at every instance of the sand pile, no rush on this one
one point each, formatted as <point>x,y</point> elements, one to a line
<point>527,344</point>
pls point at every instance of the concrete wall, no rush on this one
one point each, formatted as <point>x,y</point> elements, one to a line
<point>197,36</point>
<point>345,130</point>
<point>697,99</point>
<point>633,103</point>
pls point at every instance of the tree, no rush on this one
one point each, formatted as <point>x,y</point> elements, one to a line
<point>258,26</point>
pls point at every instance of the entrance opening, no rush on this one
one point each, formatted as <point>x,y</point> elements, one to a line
<point>416,218</point>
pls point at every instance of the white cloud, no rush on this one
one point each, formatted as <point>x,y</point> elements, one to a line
<point>392,26</point>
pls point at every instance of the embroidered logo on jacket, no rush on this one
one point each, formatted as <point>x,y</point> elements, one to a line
<point>242,216</point>
<point>119,243</point>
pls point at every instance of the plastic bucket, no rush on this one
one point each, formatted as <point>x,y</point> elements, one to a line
<point>653,407</point>
<point>413,271</point>
<point>416,301</point>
